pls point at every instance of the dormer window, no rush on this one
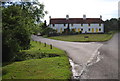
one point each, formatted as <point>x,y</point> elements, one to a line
<point>88,24</point>
<point>64,24</point>
<point>53,25</point>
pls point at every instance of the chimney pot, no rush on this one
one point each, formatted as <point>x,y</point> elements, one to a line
<point>84,17</point>
<point>100,17</point>
<point>67,17</point>
<point>49,17</point>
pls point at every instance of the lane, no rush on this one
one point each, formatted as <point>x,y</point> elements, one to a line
<point>107,67</point>
<point>79,52</point>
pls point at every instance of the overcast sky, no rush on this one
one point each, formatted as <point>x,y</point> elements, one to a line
<point>76,8</point>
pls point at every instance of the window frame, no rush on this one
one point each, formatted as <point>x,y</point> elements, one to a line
<point>81,29</point>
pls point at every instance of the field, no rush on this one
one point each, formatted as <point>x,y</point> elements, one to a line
<point>52,64</point>
<point>84,37</point>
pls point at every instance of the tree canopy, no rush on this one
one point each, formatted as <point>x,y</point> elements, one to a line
<point>112,24</point>
<point>18,23</point>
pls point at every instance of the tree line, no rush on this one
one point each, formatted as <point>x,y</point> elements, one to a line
<point>112,25</point>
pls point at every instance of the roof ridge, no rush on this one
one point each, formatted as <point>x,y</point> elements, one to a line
<point>75,18</point>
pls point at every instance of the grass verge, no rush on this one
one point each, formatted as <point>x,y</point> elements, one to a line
<point>48,67</point>
<point>81,37</point>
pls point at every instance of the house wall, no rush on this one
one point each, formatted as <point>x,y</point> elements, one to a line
<point>94,28</point>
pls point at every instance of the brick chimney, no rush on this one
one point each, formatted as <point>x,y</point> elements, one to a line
<point>84,17</point>
<point>100,17</point>
<point>67,17</point>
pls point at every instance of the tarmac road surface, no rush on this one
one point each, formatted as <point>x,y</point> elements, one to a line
<point>107,67</point>
<point>92,60</point>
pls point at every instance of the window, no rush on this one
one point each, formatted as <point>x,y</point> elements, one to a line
<point>89,29</point>
<point>53,25</point>
<point>64,24</point>
<point>99,29</point>
<point>81,29</point>
<point>88,24</point>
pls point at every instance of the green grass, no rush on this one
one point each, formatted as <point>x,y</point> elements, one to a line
<point>37,47</point>
<point>45,68</point>
<point>80,37</point>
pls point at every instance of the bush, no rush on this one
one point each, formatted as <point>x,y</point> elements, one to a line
<point>16,34</point>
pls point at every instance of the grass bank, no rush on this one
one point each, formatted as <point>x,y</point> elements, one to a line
<point>39,62</point>
<point>84,37</point>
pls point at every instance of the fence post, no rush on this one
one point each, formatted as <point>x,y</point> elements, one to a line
<point>50,46</point>
<point>44,44</point>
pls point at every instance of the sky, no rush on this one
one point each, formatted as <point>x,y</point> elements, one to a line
<point>76,8</point>
<point>119,9</point>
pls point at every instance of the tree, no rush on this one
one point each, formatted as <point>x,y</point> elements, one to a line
<point>119,23</point>
<point>111,25</point>
<point>15,35</point>
<point>18,25</point>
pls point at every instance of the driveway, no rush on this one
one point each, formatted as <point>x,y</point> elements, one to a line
<point>84,57</point>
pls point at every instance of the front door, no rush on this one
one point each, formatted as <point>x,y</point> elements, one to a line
<point>96,29</point>
<point>92,29</point>
<point>78,29</point>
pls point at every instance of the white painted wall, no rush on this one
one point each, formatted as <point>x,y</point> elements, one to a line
<point>85,27</point>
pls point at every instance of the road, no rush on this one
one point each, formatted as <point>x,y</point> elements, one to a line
<point>83,56</point>
<point>107,67</point>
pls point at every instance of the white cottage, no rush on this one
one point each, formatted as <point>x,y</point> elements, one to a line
<point>83,25</point>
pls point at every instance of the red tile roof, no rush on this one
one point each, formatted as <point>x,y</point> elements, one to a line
<point>75,20</point>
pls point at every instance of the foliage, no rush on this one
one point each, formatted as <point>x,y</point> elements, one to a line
<point>18,24</point>
<point>119,23</point>
<point>48,31</point>
<point>45,30</point>
<point>111,25</point>
<point>15,33</point>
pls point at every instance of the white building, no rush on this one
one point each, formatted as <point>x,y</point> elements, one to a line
<point>83,25</point>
